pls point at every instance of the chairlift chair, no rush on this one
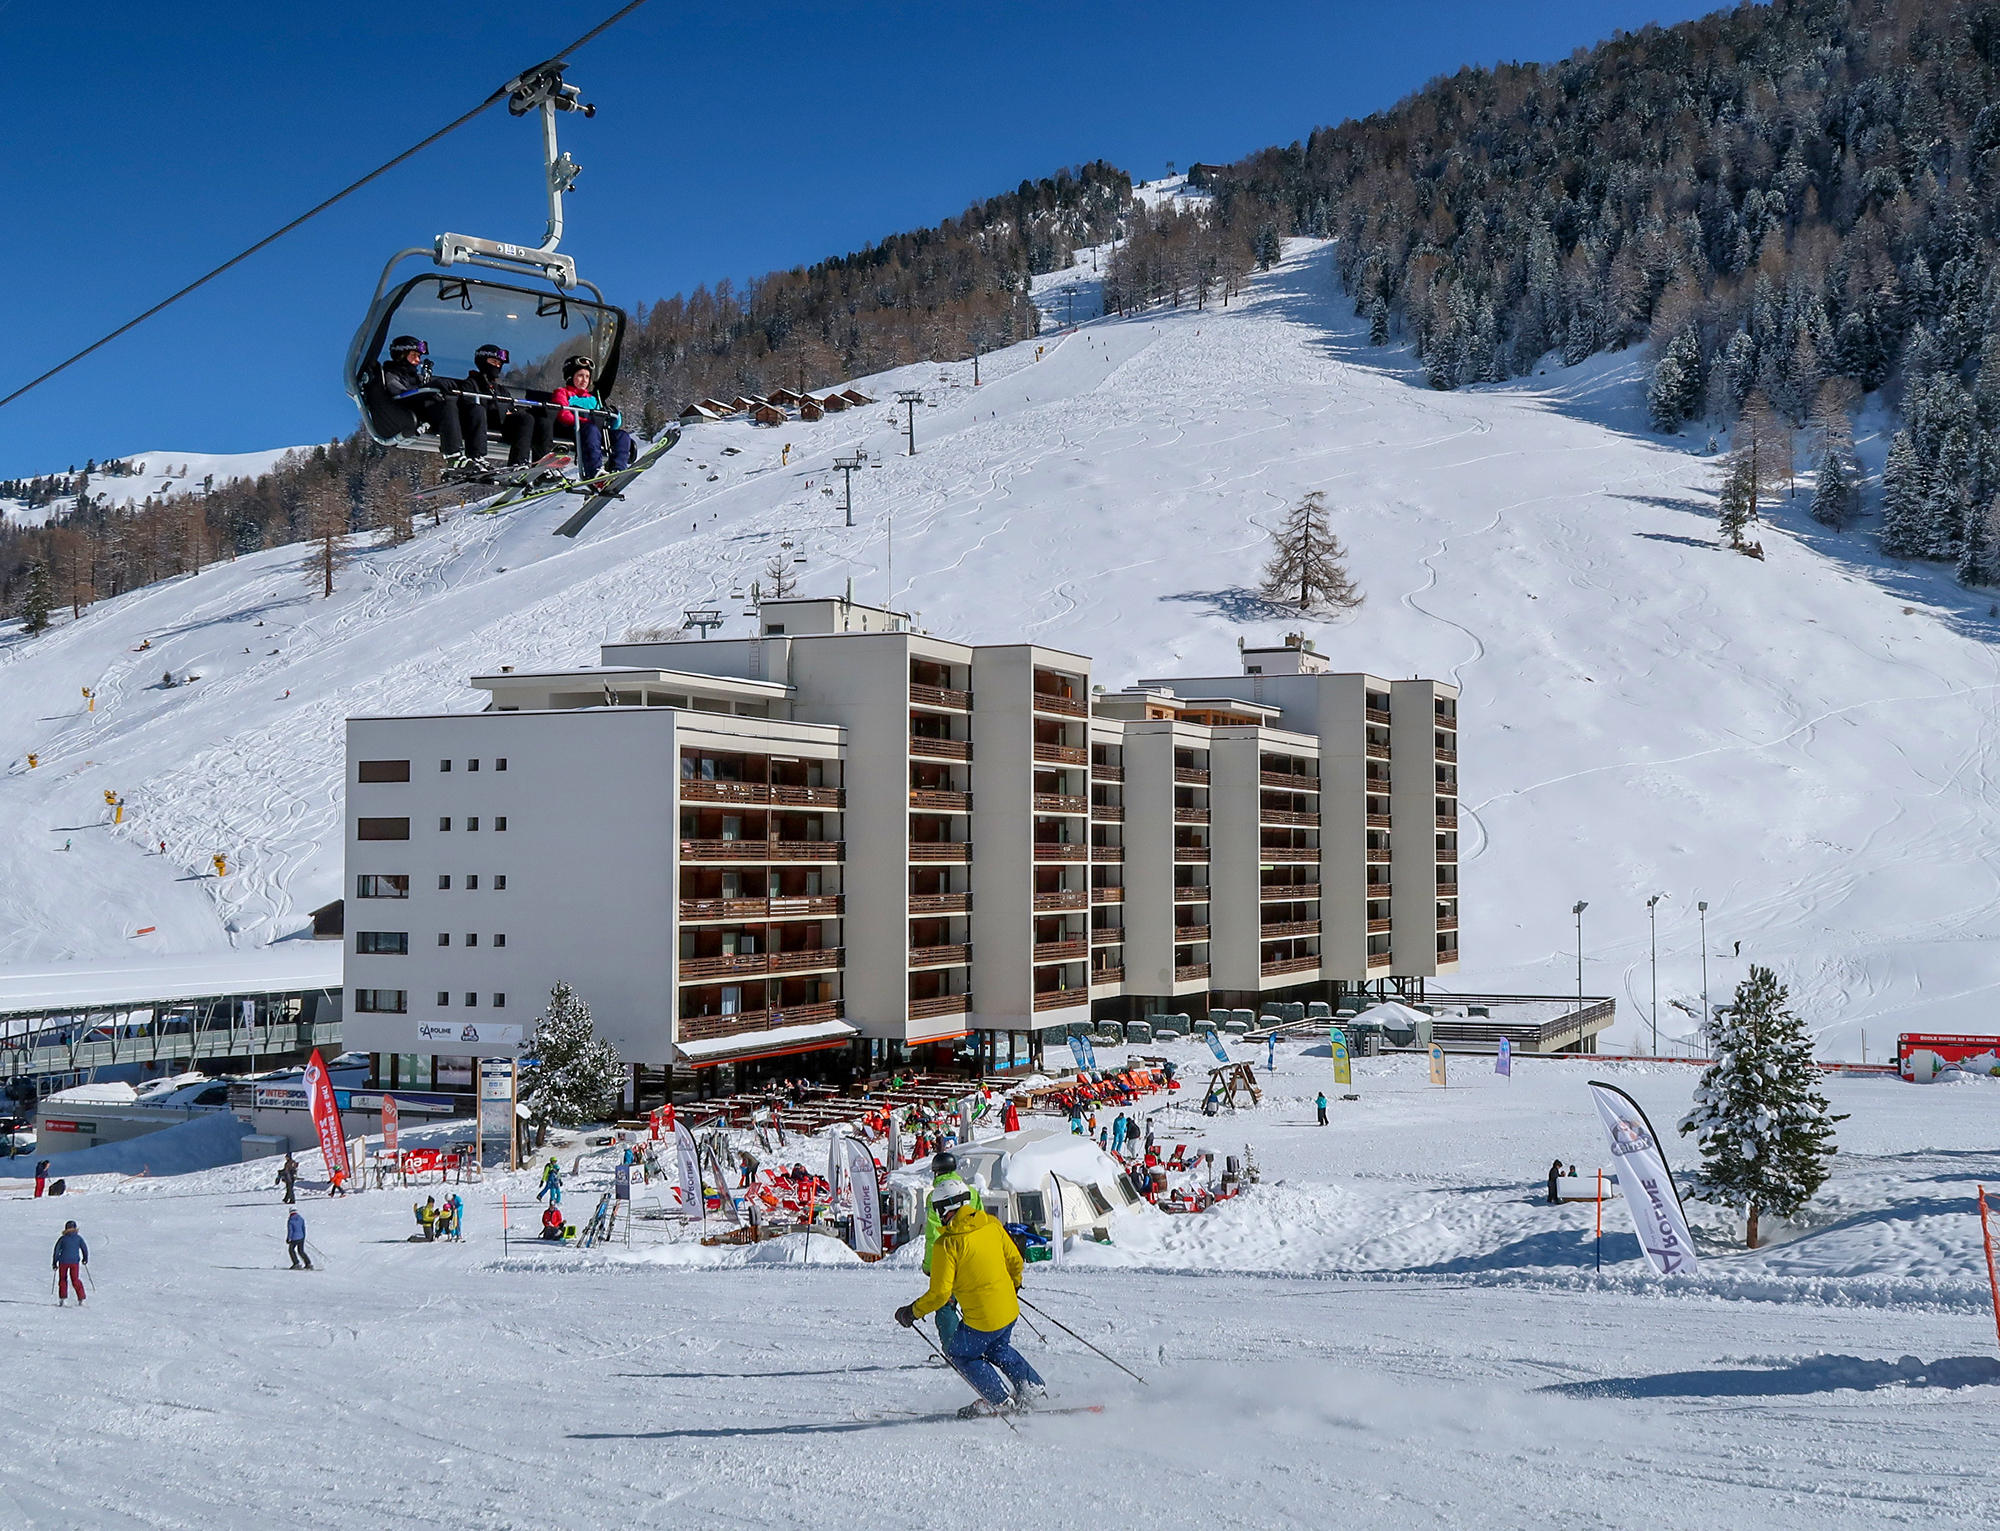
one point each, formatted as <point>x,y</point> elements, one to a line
<point>541,315</point>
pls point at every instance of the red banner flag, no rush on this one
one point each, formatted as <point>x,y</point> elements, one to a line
<point>390,1121</point>
<point>326,1116</point>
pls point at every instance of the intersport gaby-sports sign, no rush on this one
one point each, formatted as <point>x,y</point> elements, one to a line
<point>1650,1196</point>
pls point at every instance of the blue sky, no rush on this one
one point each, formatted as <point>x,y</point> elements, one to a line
<point>157,139</point>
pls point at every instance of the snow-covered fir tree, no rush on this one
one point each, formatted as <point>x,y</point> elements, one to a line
<point>36,603</point>
<point>573,1074</point>
<point>1677,388</point>
<point>1764,1129</point>
<point>1836,474</point>
<point>1308,565</point>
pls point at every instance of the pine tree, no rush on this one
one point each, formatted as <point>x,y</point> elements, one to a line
<point>1836,474</point>
<point>1378,323</point>
<point>1308,564</point>
<point>1736,499</point>
<point>1676,390</point>
<point>1906,497</point>
<point>36,602</point>
<point>1764,1129</point>
<point>572,1075</point>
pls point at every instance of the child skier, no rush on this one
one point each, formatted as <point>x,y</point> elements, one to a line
<point>71,1255</point>
<point>551,1183</point>
<point>976,1265</point>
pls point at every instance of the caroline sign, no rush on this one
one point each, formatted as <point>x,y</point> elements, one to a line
<point>1649,1190</point>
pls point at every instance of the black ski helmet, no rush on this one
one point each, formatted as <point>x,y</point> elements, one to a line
<point>490,352</point>
<point>404,343</point>
<point>944,1164</point>
<point>576,364</point>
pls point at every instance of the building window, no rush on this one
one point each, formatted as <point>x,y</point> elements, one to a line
<point>381,829</point>
<point>413,1070</point>
<point>374,885</point>
<point>444,999</point>
<point>471,1000</point>
<point>453,1074</point>
<point>500,821</point>
<point>382,943</point>
<point>381,1001</point>
<point>444,765</point>
<point>384,770</point>
<point>473,822</point>
<point>500,882</point>
<point>444,821</point>
<point>500,939</point>
<point>472,882</point>
<point>499,1002</point>
<point>444,882</point>
<point>500,764</point>
<point>472,765</point>
<point>471,938</point>
<point>444,938</point>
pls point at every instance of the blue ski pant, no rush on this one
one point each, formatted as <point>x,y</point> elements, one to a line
<point>590,444</point>
<point>981,1355</point>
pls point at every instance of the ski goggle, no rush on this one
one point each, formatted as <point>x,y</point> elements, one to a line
<point>490,353</point>
<point>406,345</point>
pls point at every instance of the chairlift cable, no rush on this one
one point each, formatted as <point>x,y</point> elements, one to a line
<point>453,126</point>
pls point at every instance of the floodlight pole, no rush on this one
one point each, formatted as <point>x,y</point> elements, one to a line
<point>910,398</point>
<point>1578,912</point>
<point>1702,909</point>
<point>1653,914</point>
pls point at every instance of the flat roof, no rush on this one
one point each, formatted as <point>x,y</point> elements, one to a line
<point>287,967</point>
<point>614,673</point>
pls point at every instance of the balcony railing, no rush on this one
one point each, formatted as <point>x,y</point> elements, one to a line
<point>1190,815</point>
<point>1288,965</point>
<point>940,956</point>
<point>1378,821</point>
<point>761,850</point>
<point>1287,892</point>
<point>1279,854</point>
<point>932,800</point>
<point>1376,715</point>
<point>1272,930</point>
<point>1380,960</point>
<point>1061,706</point>
<point>808,959</point>
<point>1061,951</point>
<point>1061,802</point>
<point>817,906</point>
<point>1287,816</point>
<point>1107,853</point>
<point>1378,855</point>
<point>695,968</point>
<point>696,790</point>
<point>1448,922</point>
<point>699,1028</point>
<point>1190,933</point>
<point>1107,935</point>
<point>1377,891</point>
<point>1105,893</point>
<point>1376,751</point>
<point>1447,821</point>
<point>1288,780</point>
<point>1379,927</point>
<point>1107,772</point>
<point>1108,813</point>
<point>1061,754</point>
<point>940,850</point>
<point>1447,858</point>
<point>1190,853</point>
<point>1060,850</point>
<point>940,1004</point>
<point>940,696</point>
<point>1060,999</point>
<point>1446,720</point>
<point>940,903</point>
<point>940,749</point>
<point>1448,756</point>
<point>1065,898</point>
<point>1188,972</point>
<point>1104,975</point>
<point>1191,776</point>
<point>1191,893</point>
<point>1448,889</point>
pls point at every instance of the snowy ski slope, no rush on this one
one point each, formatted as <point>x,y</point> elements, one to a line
<point>168,475</point>
<point>1807,743</point>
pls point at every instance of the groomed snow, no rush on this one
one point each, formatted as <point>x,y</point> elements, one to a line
<point>1391,1330</point>
<point>1806,743</point>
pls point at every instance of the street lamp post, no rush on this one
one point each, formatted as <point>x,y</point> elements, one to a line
<point>1653,915</point>
<point>1578,912</point>
<point>1702,908</point>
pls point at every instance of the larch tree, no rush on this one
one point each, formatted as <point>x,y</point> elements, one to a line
<point>572,1075</point>
<point>1764,1128</point>
<point>1308,565</point>
<point>1836,474</point>
<point>783,581</point>
<point>326,524</point>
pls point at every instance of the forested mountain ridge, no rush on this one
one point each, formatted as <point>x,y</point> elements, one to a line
<point>1778,197</point>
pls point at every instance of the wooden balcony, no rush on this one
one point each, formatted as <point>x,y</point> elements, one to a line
<point>1190,853</point>
<point>1378,821</point>
<point>1188,972</point>
<point>1104,893</point>
<point>1105,975</point>
<point>1278,855</point>
<point>1107,935</point>
<point>1378,927</point>
<point>1107,853</point>
<point>1283,965</point>
<point>1107,772</point>
<point>1447,858</point>
<point>1287,892</point>
<point>930,800</point>
<point>1380,960</point>
<point>941,697</point>
<point>810,959</point>
<point>940,1004</point>
<point>1191,893</point>
<point>1288,780</point>
<point>1448,889</point>
<point>1060,754</point>
<point>1061,706</point>
<point>1061,951</point>
<point>940,956</point>
<point>1184,933</point>
<point>1447,922</point>
<point>1376,715</point>
<point>1061,802</point>
<point>704,1028</point>
<point>1450,757</point>
<point>1377,891</point>
<point>1108,813</point>
<point>699,969</point>
<point>813,907</point>
<point>1273,930</point>
<point>695,790</point>
<point>1376,751</point>
<point>1067,898</point>
<point>1447,821</point>
<point>940,903</point>
<point>1286,816</point>
<point>1060,999</point>
<point>1190,776</point>
<point>1190,815</point>
<point>1378,855</point>
<point>939,749</point>
<point>941,850</point>
<point>1059,850</point>
<point>1445,719</point>
<point>761,850</point>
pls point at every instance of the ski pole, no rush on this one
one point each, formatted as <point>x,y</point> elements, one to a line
<point>1086,1343</point>
<point>939,1353</point>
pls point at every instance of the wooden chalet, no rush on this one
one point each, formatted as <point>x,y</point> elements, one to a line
<point>810,409</point>
<point>833,403</point>
<point>768,414</point>
<point>855,396</point>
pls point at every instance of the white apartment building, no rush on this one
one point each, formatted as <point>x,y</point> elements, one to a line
<point>848,836</point>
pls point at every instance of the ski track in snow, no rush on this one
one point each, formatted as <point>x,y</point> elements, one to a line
<point>1643,712</point>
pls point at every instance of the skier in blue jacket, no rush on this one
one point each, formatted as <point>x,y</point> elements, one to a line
<point>71,1255</point>
<point>295,1242</point>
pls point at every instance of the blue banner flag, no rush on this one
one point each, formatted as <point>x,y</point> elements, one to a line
<point>1504,1064</point>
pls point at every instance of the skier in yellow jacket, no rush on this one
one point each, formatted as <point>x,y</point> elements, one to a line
<point>977,1264</point>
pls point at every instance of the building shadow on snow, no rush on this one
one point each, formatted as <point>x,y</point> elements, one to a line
<point>1810,1374</point>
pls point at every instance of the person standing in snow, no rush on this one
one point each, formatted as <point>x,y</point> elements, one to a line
<point>976,1265</point>
<point>288,1177</point>
<point>551,1183</point>
<point>71,1255</point>
<point>457,1206</point>
<point>1320,1102</point>
<point>41,1176</point>
<point>1010,1116</point>
<point>1555,1174</point>
<point>295,1241</point>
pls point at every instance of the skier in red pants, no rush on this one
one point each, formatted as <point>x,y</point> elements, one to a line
<point>71,1254</point>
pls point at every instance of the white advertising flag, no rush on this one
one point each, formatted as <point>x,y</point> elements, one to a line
<point>693,1203</point>
<point>895,1144</point>
<point>1650,1197</point>
<point>866,1194</point>
<point>1052,1199</point>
